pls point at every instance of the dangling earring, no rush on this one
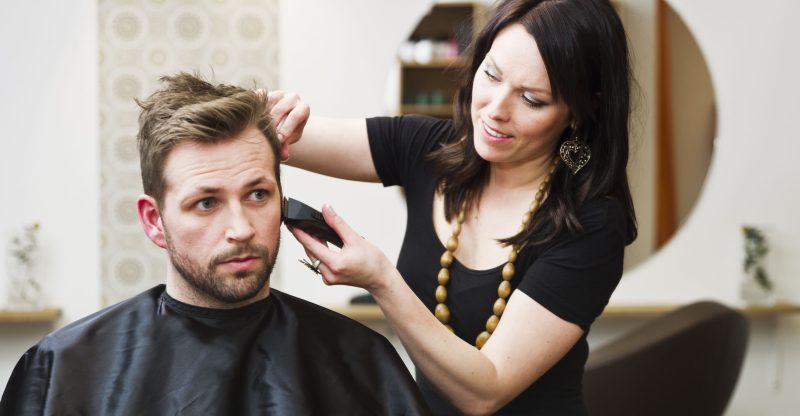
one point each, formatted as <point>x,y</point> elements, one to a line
<point>575,154</point>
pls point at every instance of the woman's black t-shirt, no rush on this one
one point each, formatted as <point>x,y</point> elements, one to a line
<point>572,276</point>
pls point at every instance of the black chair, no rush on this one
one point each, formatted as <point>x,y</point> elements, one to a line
<point>685,362</point>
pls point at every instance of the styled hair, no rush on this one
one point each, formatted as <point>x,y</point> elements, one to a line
<point>188,108</point>
<point>585,51</point>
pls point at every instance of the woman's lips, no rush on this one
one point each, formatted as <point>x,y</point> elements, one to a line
<point>494,136</point>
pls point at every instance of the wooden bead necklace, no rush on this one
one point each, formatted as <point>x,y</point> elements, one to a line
<point>442,312</point>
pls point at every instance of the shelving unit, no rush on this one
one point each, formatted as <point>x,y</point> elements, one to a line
<point>427,87</point>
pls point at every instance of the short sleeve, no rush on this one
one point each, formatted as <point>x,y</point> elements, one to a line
<point>575,276</point>
<point>400,145</point>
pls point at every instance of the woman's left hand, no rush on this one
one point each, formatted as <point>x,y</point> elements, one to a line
<point>359,263</point>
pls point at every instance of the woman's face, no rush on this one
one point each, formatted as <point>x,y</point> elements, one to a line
<point>514,116</point>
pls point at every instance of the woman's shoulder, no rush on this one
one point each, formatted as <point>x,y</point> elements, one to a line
<point>412,127</point>
<point>604,213</point>
<point>601,210</point>
<point>600,215</point>
<point>400,146</point>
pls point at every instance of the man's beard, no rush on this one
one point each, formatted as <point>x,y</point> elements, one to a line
<point>244,284</point>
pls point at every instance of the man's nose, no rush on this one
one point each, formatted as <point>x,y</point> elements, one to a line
<point>240,227</point>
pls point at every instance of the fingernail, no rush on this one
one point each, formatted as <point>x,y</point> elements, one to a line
<point>281,137</point>
<point>330,208</point>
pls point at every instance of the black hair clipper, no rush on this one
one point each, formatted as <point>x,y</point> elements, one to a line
<point>297,214</point>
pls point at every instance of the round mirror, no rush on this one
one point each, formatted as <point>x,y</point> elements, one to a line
<point>673,122</point>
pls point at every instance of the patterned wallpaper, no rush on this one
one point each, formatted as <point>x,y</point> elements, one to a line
<point>233,41</point>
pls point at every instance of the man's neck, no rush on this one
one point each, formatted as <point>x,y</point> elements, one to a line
<point>180,290</point>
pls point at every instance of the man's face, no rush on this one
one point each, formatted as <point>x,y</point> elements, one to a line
<point>221,218</point>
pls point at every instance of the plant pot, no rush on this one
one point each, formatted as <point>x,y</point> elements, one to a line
<point>752,293</point>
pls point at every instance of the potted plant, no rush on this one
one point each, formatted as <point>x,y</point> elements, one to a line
<point>757,288</point>
<point>25,289</point>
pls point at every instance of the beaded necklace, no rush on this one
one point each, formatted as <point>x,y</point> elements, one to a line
<point>442,312</point>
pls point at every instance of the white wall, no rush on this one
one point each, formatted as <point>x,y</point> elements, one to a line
<point>753,178</point>
<point>337,56</point>
<point>48,153</point>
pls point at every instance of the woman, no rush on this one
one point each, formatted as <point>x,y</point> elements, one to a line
<point>540,138</point>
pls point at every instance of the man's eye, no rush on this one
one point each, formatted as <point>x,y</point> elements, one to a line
<point>205,204</point>
<point>259,195</point>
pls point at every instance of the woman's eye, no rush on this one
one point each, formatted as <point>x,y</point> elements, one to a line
<point>532,102</point>
<point>490,75</point>
<point>205,204</point>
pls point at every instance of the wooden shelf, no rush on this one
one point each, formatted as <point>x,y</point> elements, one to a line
<point>455,23</point>
<point>645,311</point>
<point>373,312</point>
<point>455,4</point>
<point>47,315</point>
<point>774,310</point>
<point>443,110</point>
<point>436,64</point>
<point>613,311</point>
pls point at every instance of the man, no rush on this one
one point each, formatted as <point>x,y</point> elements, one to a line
<point>216,340</point>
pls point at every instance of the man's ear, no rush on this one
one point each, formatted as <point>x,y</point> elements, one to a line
<point>150,217</point>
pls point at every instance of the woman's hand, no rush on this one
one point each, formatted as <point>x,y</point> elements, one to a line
<point>359,263</point>
<point>289,116</point>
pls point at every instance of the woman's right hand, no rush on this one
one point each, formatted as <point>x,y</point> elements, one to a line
<point>358,263</point>
<point>289,116</point>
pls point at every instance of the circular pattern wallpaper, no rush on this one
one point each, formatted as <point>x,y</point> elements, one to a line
<point>230,41</point>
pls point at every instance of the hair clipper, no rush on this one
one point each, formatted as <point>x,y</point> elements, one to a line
<point>297,214</point>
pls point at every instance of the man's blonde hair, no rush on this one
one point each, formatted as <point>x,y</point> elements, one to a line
<point>188,108</point>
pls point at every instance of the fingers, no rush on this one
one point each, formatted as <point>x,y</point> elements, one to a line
<point>284,151</point>
<point>318,252</point>
<point>289,116</point>
<point>315,249</point>
<point>272,97</point>
<point>345,232</point>
<point>295,121</point>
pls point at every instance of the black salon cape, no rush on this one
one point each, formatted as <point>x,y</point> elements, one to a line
<point>153,355</point>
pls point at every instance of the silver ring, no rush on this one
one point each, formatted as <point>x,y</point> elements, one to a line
<point>313,265</point>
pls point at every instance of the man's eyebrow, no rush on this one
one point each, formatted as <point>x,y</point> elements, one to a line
<point>206,190</point>
<point>259,181</point>
<point>203,190</point>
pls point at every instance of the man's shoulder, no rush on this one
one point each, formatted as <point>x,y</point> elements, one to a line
<point>311,315</point>
<point>102,320</point>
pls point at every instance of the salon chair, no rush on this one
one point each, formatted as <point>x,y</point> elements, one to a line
<point>685,362</point>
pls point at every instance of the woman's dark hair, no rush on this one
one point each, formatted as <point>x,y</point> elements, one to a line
<point>585,51</point>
